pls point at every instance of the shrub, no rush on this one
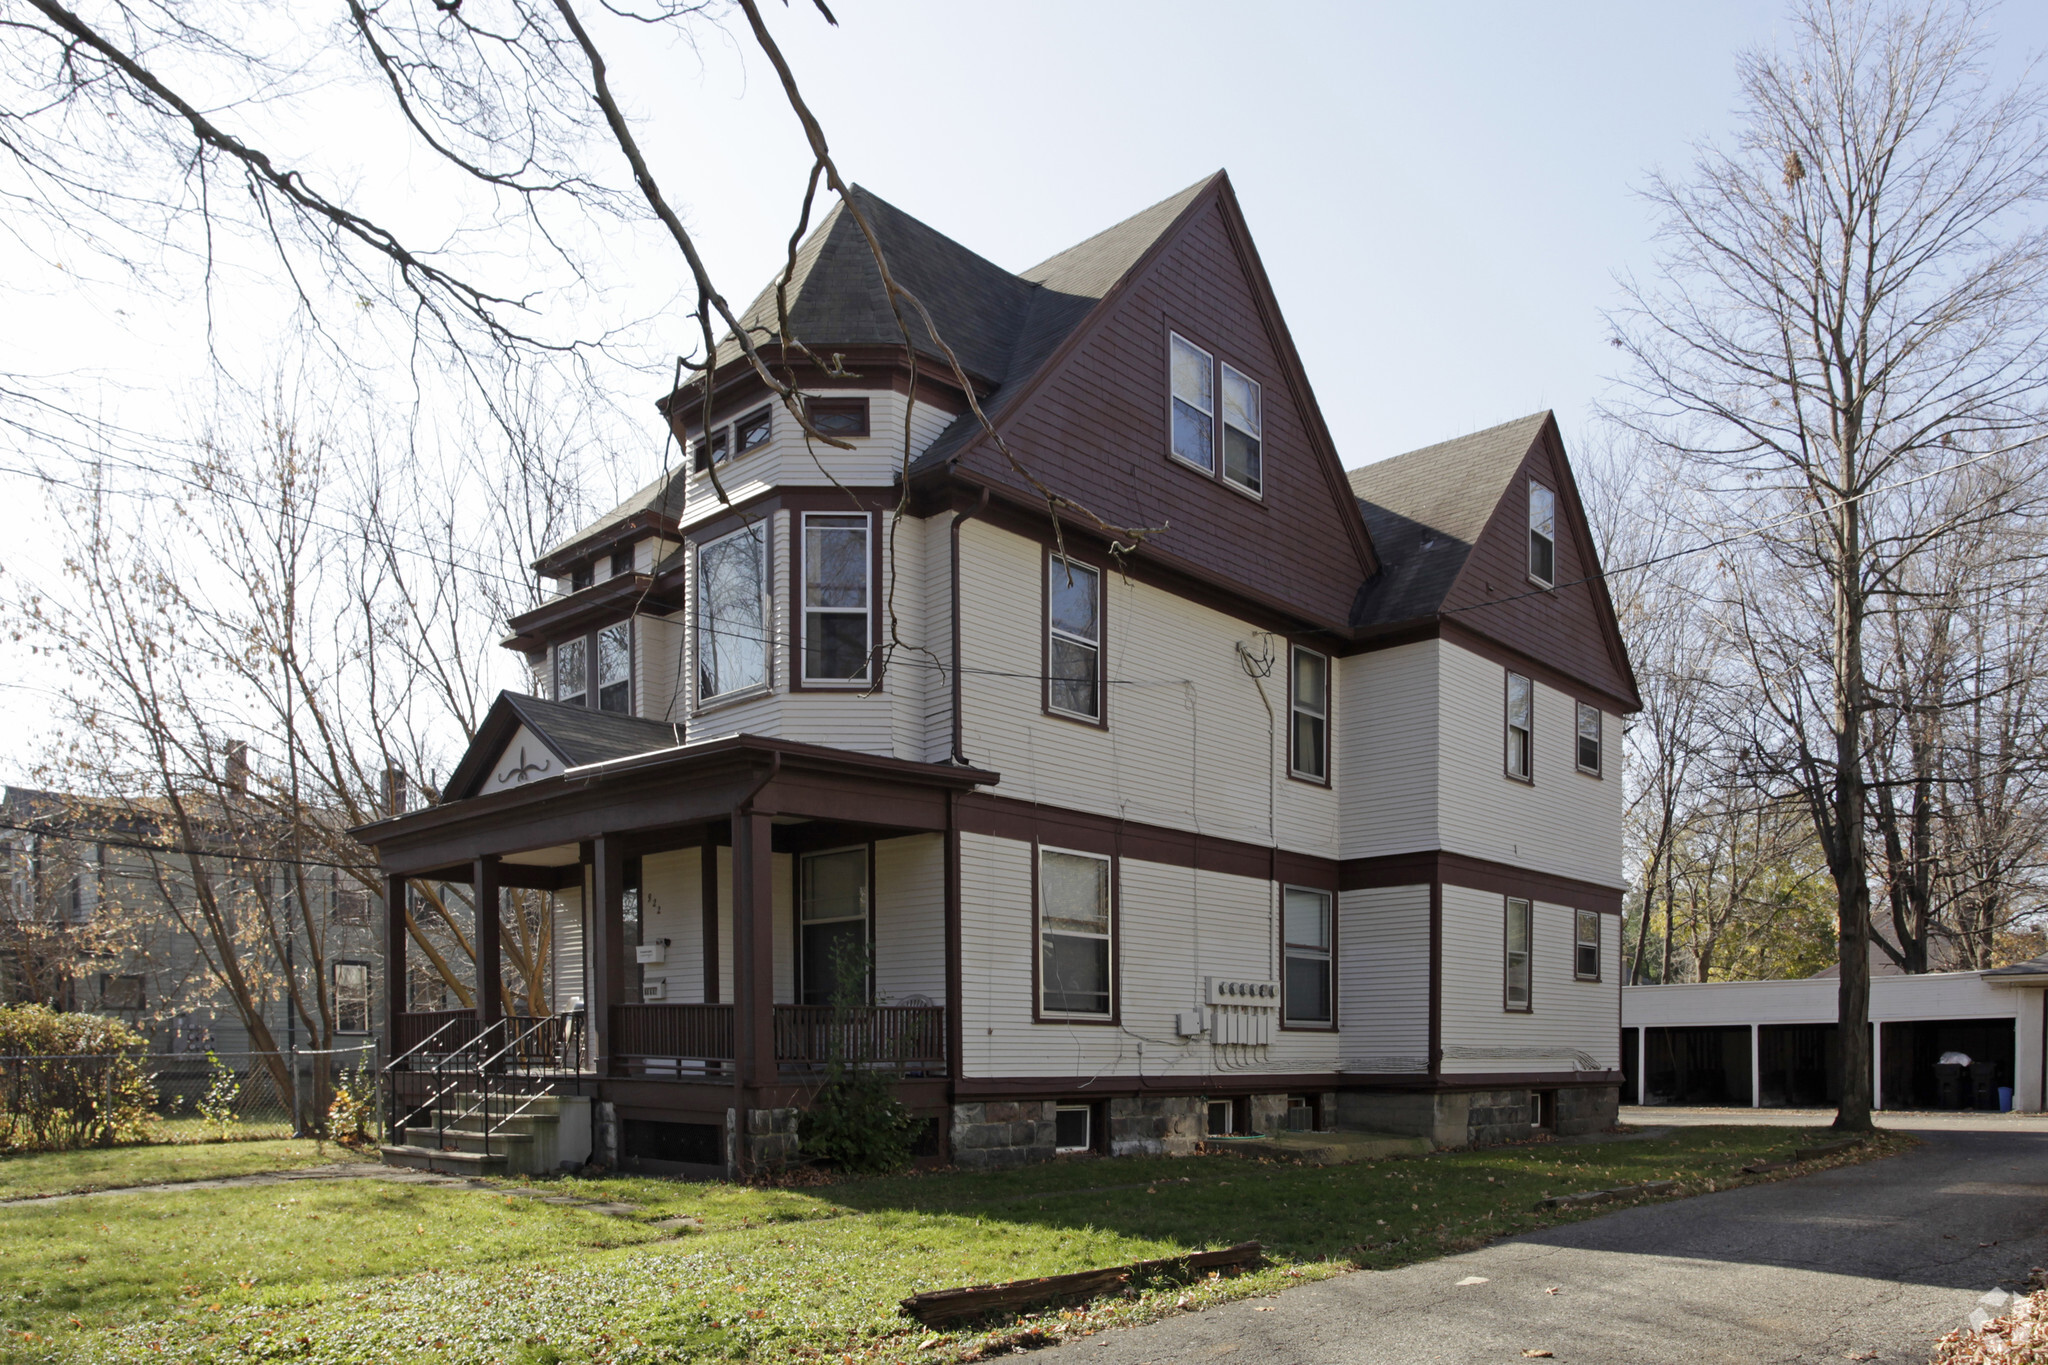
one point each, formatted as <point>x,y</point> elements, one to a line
<point>856,1122</point>
<point>353,1110</point>
<point>217,1105</point>
<point>69,1081</point>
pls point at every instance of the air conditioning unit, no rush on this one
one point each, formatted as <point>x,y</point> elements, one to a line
<point>651,991</point>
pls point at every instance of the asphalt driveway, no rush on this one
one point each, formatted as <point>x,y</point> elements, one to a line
<point>1878,1258</point>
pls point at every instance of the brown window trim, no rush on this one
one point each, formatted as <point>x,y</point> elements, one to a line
<point>1599,944</point>
<point>1329,718</point>
<point>1101,721</point>
<point>693,544</point>
<point>1114,1019</point>
<point>1598,774</point>
<point>1280,935</point>
<point>815,408</point>
<point>1507,1006</point>
<point>1506,729</point>
<point>797,682</point>
<point>1217,360</point>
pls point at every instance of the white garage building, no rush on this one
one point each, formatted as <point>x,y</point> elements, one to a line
<point>1771,1043</point>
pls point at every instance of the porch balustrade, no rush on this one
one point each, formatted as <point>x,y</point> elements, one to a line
<point>416,1026</point>
<point>687,1039</point>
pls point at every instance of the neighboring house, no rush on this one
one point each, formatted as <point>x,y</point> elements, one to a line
<point>96,914</point>
<point>1305,811</point>
<point>1771,1044</point>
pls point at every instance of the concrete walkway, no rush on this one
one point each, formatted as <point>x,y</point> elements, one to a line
<point>1880,1258</point>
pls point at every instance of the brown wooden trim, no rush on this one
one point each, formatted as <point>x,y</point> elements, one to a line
<point>956,1053</point>
<point>587,610</point>
<point>1329,719</point>
<point>1102,575</point>
<point>605,944</point>
<point>1116,953</point>
<point>872,684</point>
<point>622,534</point>
<point>1462,634</point>
<point>1478,874</point>
<point>397,982</point>
<point>815,408</point>
<point>737,387</point>
<point>489,980</point>
<point>707,882</point>
<point>1002,817</point>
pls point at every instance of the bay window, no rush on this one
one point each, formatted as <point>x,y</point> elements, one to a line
<point>836,597</point>
<point>732,614</point>
<point>1074,934</point>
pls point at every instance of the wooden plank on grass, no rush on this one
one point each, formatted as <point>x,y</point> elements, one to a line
<point>971,1301</point>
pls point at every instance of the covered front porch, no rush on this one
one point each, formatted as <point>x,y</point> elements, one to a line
<point>729,918</point>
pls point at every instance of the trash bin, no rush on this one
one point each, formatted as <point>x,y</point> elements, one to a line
<point>1984,1085</point>
<point>1948,1085</point>
<point>2005,1099</point>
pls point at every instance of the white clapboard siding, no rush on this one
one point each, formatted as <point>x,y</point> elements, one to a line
<point>1570,1022</point>
<point>937,666</point>
<point>874,461</point>
<point>1565,822</point>
<point>1189,744</point>
<point>1934,995</point>
<point>570,981</point>
<point>657,668</point>
<point>671,890</point>
<point>1176,927</point>
<point>910,918</point>
<point>1383,978</point>
<point>909,675</point>
<point>782,881</point>
<point>1387,750</point>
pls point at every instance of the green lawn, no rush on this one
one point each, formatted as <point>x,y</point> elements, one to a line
<point>106,1168</point>
<point>363,1270</point>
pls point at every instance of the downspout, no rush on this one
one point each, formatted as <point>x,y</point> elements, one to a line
<point>980,505</point>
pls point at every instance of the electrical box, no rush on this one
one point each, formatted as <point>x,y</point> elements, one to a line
<point>655,953</point>
<point>653,990</point>
<point>1242,1012</point>
<point>1254,994</point>
<point>1190,1023</point>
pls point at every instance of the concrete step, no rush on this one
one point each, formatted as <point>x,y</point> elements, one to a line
<point>448,1163</point>
<point>539,1106</point>
<point>1319,1149</point>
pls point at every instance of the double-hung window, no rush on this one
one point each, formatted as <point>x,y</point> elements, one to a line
<point>1305,929</point>
<point>351,997</point>
<point>1243,428</point>
<point>752,431</point>
<point>1073,648</point>
<point>1073,934</point>
<point>834,944</point>
<point>732,624</point>
<point>1521,704</point>
<point>1309,751</point>
<point>1586,945</point>
<point>572,676</point>
<point>836,593</point>
<point>1542,534</point>
<point>1194,404</point>
<point>1516,957</point>
<point>615,668</point>
<point>1589,739</point>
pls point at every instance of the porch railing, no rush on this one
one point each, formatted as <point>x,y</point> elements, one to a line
<point>698,1039</point>
<point>450,1029</point>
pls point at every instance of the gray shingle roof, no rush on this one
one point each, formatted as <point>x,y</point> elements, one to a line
<point>1425,509</point>
<point>663,494</point>
<point>581,735</point>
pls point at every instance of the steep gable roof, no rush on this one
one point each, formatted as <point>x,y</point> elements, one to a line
<point>1426,508</point>
<point>575,735</point>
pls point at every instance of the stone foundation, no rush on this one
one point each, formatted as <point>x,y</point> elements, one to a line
<point>1156,1125</point>
<point>770,1139</point>
<point>999,1133</point>
<point>1478,1118</point>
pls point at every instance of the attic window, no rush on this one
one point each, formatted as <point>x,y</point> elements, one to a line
<point>843,417</point>
<point>622,562</point>
<point>1242,428</point>
<point>704,454</point>
<point>1193,404</point>
<point>1542,534</point>
<point>582,576</point>
<point>751,432</point>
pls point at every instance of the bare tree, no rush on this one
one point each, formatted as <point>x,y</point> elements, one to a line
<point>1848,307</point>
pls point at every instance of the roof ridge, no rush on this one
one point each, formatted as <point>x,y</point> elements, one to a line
<point>1181,195</point>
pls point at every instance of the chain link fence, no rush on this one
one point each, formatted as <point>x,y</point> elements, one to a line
<point>212,1096</point>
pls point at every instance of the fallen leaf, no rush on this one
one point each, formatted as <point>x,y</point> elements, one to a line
<point>1536,1353</point>
<point>1554,1289</point>
<point>1263,1309</point>
<point>1473,1279</point>
<point>1863,1355</point>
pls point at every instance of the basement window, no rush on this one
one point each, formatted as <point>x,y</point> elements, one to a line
<point>1074,1128</point>
<point>1222,1118</point>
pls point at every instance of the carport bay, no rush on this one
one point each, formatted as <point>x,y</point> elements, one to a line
<point>1770,1044</point>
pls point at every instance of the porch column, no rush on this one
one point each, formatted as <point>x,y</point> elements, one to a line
<point>1756,1075</point>
<point>1642,1063</point>
<point>396,999</point>
<point>707,883</point>
<point>753,932</point>
<point>483,882</point>
<point>1877,1063</point>
<point>607,945</point>
<point>956,1045</point>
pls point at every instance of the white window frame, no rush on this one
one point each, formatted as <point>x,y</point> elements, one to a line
<point>1580,943</point>
<point>1224,425</point>
<point>1088,1145</point>
<point>368,997</point>
<point>1055,565</point>
<point>1547,534</point>
<point>1326,955</point>
<point>1296,709</point>
<point>1510,966</point>
<point>1208,359</point>
<point>1107,937</point>
<point>760,531</point>
<point>596,647</point>
<point>1518,761</point>
<point>1599,738</point>
<point>867,593</point>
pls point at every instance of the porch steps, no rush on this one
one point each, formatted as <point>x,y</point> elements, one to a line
<point>447,1163</point>
<point>528,1143</point>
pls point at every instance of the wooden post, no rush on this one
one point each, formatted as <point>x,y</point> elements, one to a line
<point>483,882</point>
<point>396,997</point>
<point>956,1043</point>
<point>708,884</point>
<point>607,944</point>
<point>753,932</point>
